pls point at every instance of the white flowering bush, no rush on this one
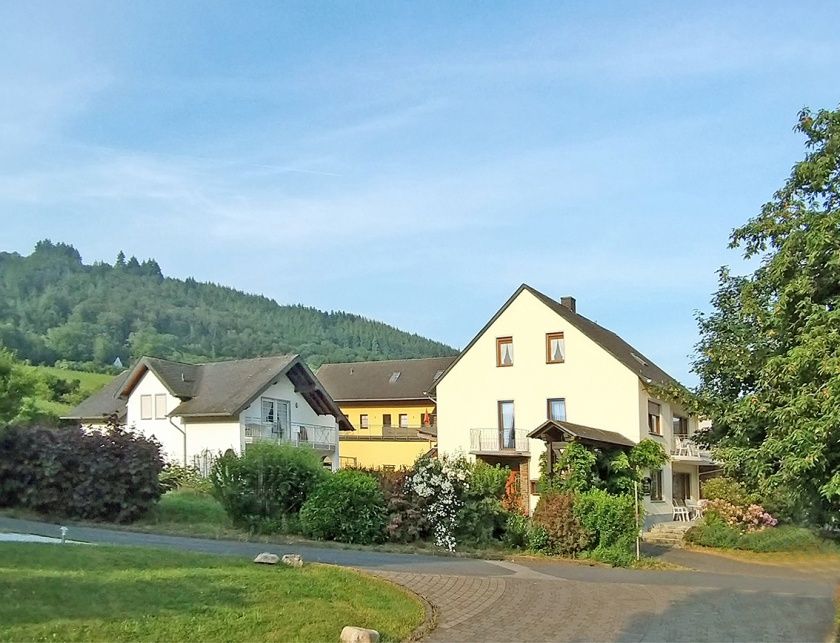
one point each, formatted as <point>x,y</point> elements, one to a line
<point>443,483</point>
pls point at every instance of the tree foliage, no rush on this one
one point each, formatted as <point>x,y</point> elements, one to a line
<point>54,307</point>
<point>16,390</point>
<point>769,352</point>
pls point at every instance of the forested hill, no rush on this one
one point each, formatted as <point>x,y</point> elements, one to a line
<point>55,308</point>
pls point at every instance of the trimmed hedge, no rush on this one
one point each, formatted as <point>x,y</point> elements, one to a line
<point>348,506</point>
<point>75,473</point>
<point>265,486</point>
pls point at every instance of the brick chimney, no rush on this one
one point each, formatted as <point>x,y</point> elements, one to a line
<point>569,302</point>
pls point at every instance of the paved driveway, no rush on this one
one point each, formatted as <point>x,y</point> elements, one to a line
<point>530,600</point>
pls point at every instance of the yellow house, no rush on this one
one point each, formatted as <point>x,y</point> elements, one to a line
<point>539,374</point>
<point>389,404</point>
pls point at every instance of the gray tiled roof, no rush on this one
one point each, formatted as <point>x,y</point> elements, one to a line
<point>224,388</point>
<point>212,389</point>
<point>102,403</point>
<point>608,340</point>
<point>376,380</point>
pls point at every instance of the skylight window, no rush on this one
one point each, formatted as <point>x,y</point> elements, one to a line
<point>639,359</point>
<point>437,375</point>
<point>394,377</point>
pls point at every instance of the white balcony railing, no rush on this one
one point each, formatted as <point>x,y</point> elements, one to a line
<point>685,447</point>
<point>299,434</point>
<point>498,441</point>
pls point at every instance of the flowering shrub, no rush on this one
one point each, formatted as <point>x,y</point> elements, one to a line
<point>512,500</point>
<point>751,517</point>
<point>443,483</point>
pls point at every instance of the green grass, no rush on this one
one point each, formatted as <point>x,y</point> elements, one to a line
<point>189,507</point>
<point>89,383</point>
<point>786,538</point>
<point>84,593</point>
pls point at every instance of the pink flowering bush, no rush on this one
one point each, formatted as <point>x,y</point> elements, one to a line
<point>750,517</point>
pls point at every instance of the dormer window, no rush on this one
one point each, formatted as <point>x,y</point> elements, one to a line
<point>504,351</point>
<point>555,348</point>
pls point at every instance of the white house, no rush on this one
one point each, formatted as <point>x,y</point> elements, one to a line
<point>197,411</point>
<point>538,369</point>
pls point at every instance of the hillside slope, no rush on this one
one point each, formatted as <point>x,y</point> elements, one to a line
<point>55,308</point>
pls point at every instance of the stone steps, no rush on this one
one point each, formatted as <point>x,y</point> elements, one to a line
<point>668,533</point>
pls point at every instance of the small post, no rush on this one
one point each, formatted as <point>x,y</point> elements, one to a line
<point>638,531</point>
<point>63,531</point>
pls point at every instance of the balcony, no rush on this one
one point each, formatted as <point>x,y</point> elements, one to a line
<point>686,450</point>
<point>496,442</point>
<point>299,434</point>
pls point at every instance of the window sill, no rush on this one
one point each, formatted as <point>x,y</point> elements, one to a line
<point>658,502</point>
<point>561,362</point>
<point>658,435</point>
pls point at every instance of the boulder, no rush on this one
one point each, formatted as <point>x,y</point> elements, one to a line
<point>267,558</point>
<point>292,560</point>
<point>352,634</point>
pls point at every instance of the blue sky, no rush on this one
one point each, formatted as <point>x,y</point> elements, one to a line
<point>413,162</point>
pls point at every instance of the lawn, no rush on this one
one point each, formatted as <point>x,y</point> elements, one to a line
<point>84,593</point>
<point>89,383</point>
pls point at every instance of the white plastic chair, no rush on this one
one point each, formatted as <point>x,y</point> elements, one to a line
<point>681,514</point>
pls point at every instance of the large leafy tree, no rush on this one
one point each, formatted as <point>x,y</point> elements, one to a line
<point>16,390</point>
<point>769,352</point>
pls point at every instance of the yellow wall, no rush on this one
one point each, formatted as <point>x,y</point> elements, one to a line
<point>379,451</point>
<point>415,411</point>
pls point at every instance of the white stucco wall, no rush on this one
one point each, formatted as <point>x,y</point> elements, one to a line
<point>170,438</point>
<point>217,434</point>
<point>300,411</point>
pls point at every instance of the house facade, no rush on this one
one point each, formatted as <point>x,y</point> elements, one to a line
<point>389,405</point>
<point>538,361</point>
<point>198,411</point>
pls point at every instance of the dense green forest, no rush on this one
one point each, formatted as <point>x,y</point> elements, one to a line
<point>55,309</point>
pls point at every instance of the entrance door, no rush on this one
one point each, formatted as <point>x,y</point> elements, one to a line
<point>681,488</point>
<point>507,429</point>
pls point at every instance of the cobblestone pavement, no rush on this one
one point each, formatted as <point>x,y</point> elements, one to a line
<point>541,600</point>
<point>532,606</point>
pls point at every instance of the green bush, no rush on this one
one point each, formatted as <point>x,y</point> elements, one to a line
<point>188,506</point>
<point>714,532</point>
<point>785,538</point>
<point>556,516</point>
<point>539,539</point>
<point>610,522</point>
<point>176,476</point>
<point>266,485</point>
<point>348,506</point>
<point>488,481</point>
<point>732,491</point>
<point>517,531</point>
<point>480,521</point>
<point>101,475</point>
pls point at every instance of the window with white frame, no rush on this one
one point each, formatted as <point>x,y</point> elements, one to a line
<point>403,420</point>
<point>160,406</point>
<point>145,407</point>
